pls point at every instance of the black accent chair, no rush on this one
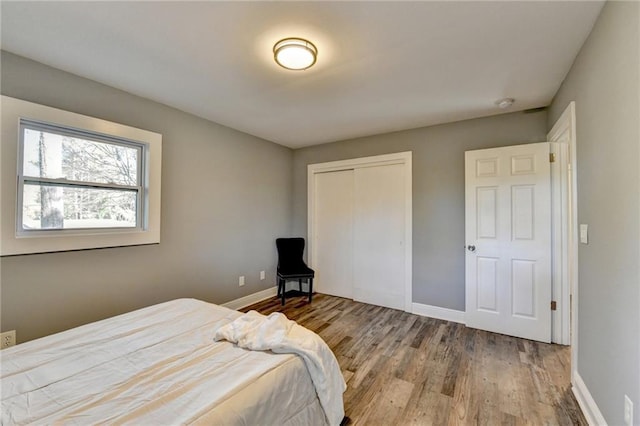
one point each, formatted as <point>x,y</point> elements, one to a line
<point>291,266</point>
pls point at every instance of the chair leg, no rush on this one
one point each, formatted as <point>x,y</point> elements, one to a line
<point>310,289</point>
<point>300,285</point>
<point>284,283</point>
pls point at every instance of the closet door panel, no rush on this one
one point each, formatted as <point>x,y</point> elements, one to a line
<point>378,235</point>
<point>333,254</point>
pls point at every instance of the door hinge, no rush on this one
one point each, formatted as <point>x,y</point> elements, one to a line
<point>552,157</point>
<point>553,305</point>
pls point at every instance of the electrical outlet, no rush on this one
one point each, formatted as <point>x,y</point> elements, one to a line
<point>262,276</point>
<point>628,411</point>
<point>7,339</point>
<point>241,281</point>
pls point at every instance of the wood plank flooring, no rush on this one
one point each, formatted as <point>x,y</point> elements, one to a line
<point>403,369</point>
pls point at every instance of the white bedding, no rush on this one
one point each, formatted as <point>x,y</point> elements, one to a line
<point>158,365</point>
<point>277,333</point>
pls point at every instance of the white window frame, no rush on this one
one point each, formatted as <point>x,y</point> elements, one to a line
<point>14,240</point>
<point>61,182</point>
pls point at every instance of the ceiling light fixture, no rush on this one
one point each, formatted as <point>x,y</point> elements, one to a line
<point>505,103</point>
<point>295,53</point>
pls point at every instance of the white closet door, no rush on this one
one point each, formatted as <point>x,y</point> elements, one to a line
<point>333,245</point>
<point>378,235</point>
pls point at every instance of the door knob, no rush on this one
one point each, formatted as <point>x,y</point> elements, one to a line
<point>471,248</point>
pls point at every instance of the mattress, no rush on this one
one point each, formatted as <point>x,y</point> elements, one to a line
<point>158,365</point>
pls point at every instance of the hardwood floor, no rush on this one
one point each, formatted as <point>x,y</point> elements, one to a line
<point>403,369</point>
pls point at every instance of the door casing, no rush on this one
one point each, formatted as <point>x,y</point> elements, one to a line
<point>565,329</point>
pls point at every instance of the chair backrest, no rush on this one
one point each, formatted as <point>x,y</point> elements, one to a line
<point>290,251</point>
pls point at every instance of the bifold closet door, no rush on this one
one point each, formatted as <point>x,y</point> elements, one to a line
<point>333,245</point>
<point>379,235</point>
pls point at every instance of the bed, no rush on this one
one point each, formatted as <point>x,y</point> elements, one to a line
<point>158,365</point>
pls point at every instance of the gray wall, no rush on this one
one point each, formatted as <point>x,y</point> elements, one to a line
<point>438,190</point>
<point>604,82</point>
<point>225,197</point>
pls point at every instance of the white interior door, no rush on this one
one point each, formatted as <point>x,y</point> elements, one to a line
<point>333,245</point>
<point>508,234</point>
<point>379,235</point>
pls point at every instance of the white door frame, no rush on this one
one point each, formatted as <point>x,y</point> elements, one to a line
<point>378,160</point>
<point>565,319</point>
<point>560,241</point>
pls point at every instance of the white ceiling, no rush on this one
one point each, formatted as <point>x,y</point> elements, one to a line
<point>382,66</point>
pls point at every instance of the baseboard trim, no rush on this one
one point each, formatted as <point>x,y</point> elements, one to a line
<point>438,312</point>
<point>586,402</point>
<point>251,299</point>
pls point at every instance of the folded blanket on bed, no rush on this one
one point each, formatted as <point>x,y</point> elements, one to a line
<point>276,333</point>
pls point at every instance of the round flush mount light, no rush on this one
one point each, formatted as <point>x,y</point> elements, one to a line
<point>295,53</point>
<point>505,103</point>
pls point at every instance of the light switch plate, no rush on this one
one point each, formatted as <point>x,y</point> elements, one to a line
<point>584,233</point>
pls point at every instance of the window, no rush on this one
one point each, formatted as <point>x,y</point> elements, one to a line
<point>77,180</point>
<point>81,182</point>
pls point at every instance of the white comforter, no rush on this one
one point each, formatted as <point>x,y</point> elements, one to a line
<point>154,366</point>
<point>276,333</point>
